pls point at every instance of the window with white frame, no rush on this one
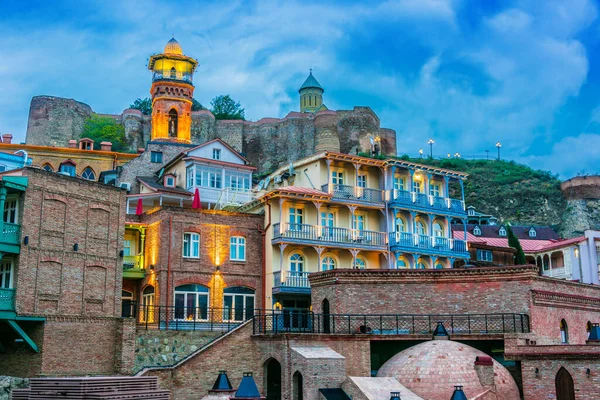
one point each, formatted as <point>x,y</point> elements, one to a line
<point>216,154</point>
<point>296,263</point>
<point>421,228</point>
<point>417,187</point>
<point>296,217</point>
<point>6,273</point>
<point>337,177</point>
<point>327,264</point>
<point>502,231</point>
<point>362,181</point>
<point>191,302</point>
<point>169,181</point>
<point>191,245</point>
<point>209,177</point>
<point>434,189</point>
<point>238,303</point>
<point>237,248</point>
<point>126,247</point>
<point>471,211</point>
<point>358,222</point>
<point>237,181</point>
<point>400,224</point>
<point>438,230</point>
<point>476,231</point>
<point>189,176</point>
<point>398,183</point>
<point>532,233</point>
<point>11,209</point>
<point>484,255</point>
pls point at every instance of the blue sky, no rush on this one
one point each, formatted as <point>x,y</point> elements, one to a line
<point>465,73</point>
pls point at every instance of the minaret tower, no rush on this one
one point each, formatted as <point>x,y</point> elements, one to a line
<point>311,95</point>
<point>172,92</point>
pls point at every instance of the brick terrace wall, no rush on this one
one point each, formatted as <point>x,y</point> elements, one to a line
<point>12,361</point>
<point>215,229</point>
<point>542,385</point>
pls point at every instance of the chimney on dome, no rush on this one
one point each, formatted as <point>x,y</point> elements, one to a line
<point>395,396</point>
<point>7,138</point>
<point>222,384</point>
<point>484,366</point>
<point>458,393</point>
<point>247,389</point>
<point>106,146</point>
<point>440,332</point>
<point>72,144</point>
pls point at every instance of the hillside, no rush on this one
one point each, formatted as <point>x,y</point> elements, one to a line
<point>508,190</point>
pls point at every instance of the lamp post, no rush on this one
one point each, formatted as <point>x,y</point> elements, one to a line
<point>430,143</point>
<point>498,145</point>
<point>487,154</point>
<point>421,153</point>
<point>457,154</point>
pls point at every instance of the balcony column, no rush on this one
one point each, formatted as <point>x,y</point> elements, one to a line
<point>142,251</point>
<point>464,221</point>
<point>462,192</point>
<point>449,228</point>
<point>319,250</point>
<point>356,169</point>
<point>318,205</point>
<point>430,225</point>
<point>446,189</point>
<point>415,260</point>
<point>451,261</point>
<point>282,247</point>
<point>354,253</point>
<point>391,183</point>
<point>427,184</point>
<point>2,202</point>
<point>433,261</point>
<point>410,180</point>
<point>282,225</point>
<point>328,162</point>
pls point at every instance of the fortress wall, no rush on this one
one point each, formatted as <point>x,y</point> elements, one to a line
<point>583,205</point>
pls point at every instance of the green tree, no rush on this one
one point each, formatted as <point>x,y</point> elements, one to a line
<point>144,105</point>
<point>513,241</point>
<point>197,106</point>
<point>105,129</point>
<point>224,107</point>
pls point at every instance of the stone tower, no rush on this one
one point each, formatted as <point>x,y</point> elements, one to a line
<point>172,92</point>
<point>311,95</point>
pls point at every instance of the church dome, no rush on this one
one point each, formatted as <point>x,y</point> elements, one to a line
<point>432,369</point>
<point>173,47</point>
<point>311,82</point>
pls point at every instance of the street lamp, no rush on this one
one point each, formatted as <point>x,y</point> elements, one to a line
<point>421,153</point>
<point>498,145</point>
<point>430,143</point>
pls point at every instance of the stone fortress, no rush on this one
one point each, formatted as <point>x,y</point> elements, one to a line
<point>267,143</point>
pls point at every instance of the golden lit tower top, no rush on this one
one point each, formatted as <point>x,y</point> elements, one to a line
<point>172,92</point>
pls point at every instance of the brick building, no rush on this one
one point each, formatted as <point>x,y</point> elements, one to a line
<point>61,275</point>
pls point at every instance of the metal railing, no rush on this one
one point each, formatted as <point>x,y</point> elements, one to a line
<point>304,232</point>
<point>424,242</point>
<point>132,263</point>
<point>10,233</point>
<point>186,318</point>
<point>424,200</point>
<point>166,74</point>
<point>7,299</point>
<point>275,322</point>
<point>292,279</point>
<point>355,193</point>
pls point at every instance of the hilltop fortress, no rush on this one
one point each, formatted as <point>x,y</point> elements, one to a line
<point>266,143</point>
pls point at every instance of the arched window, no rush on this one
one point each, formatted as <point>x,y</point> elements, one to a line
<point>88,174</point>
<point>422,263</point>
<point>400,224</point>
<point>147,312</point>
<point>48,167</point>
<point>296,263</point>
<point>401,262</point>
<point>564,332</point>
<point>502,231</point>
<point>327,264</point>
<point>438,230</point>
<point>588,328</point>
<point>238,303</point>
<point>421,228</point>
<point>360,263</point>
<point>173,73</point>
<point>532,233</point>
<point>476,231</point>
<point>439,265</point>
<point>173,123</point>
<point>191,302</point>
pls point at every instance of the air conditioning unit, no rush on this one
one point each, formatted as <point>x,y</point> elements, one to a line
<point>125,185</point>
<point>277,179</point>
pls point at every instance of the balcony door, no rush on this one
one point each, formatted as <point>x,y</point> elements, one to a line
<point>327,224</point>
<point>11,210</point>
<point>6,273</point>
<point>191,302</point>
<point>238,303</point>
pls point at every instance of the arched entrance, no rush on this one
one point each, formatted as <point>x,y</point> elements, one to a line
<point>326,322</point>
<point>297,386</point>
<point>564,385</point>
<point>273,379</point>
<point>173,123</point>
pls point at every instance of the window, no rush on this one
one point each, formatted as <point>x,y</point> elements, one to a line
<point>173,123</point>
<point>68,168</point>
<point>476,231</point>
<point>358,222</point>
<point>216,154</point>
<point>327,223</point>
<point>401,262</point>
<point>337,177</point>
<point>296,217</point>
<point>434,189</point>
<point>48,167</point>
<point>417,187</point>
<point>156,156</point>
<point>170,181</point>
<point>189,176</point>
<point>421,228</point>
<point>191,302</point>
<point>362,181</point>
<point>191,245</point>
<point>237,248</point>
<point>126,247</point>
<point>438,230</point>
<point>564,332</point>
<point>209,177</point>
<point>421,263</point>
<point>360,263</point>
<point>485,255</point>
<point>532,233</point>
<point>502,231</point>
<point>327,264</point>
<point>173,73</point>
<point>237,181</point>
<point>6,273</point>
<point>147,314</point>
<point>238,303</point>
<point>400,224</point>
<point>11,209</point>
<point>398,183</point>
<point>588,329</point>
<point>471,211</point>
<point>296,263</point>
<point>88,174</point>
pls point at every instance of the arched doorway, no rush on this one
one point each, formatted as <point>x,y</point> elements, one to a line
<point>297,386</point>
<point>326,323</point>
<point>173,123</point>
<point>564,385</point>
<point>273,379</point>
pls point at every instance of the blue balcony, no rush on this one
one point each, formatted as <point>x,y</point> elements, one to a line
<point>423,244</point>
<point>7,299</point>
<point>10,238</point>
<point>328,236</point>
<point>294,282</point>
<point>356,195</point>
<point>427,203</point>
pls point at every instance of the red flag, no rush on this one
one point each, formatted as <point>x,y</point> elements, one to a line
<point>196,202</point>
<point>139,210</point>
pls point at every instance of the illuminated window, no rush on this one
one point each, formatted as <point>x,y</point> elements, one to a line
<point>327,264</point>
<point>564,332</point>
<point>400,224</point>
<point>6,273</point>
<point>126,247</point>
<point>11,209</point>
<point>191,302</point>
<point>237,248</point>
<point>191,245</point>
<point>88,174</point>
<point>173,73</point>
<point>417,187</point>
<point>147,314</point>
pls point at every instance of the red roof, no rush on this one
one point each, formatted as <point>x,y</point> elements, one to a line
<point>301,190</point>
<point>529,246</point>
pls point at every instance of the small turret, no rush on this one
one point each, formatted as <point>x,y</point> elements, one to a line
<point>311,95</point>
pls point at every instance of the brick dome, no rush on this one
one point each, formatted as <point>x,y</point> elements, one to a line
<point>432,369</point>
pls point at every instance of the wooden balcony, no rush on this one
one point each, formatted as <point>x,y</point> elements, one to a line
<point>423,244</point>
<point>328,236</point>
<point>356,195</point>
<point>427,203</point>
